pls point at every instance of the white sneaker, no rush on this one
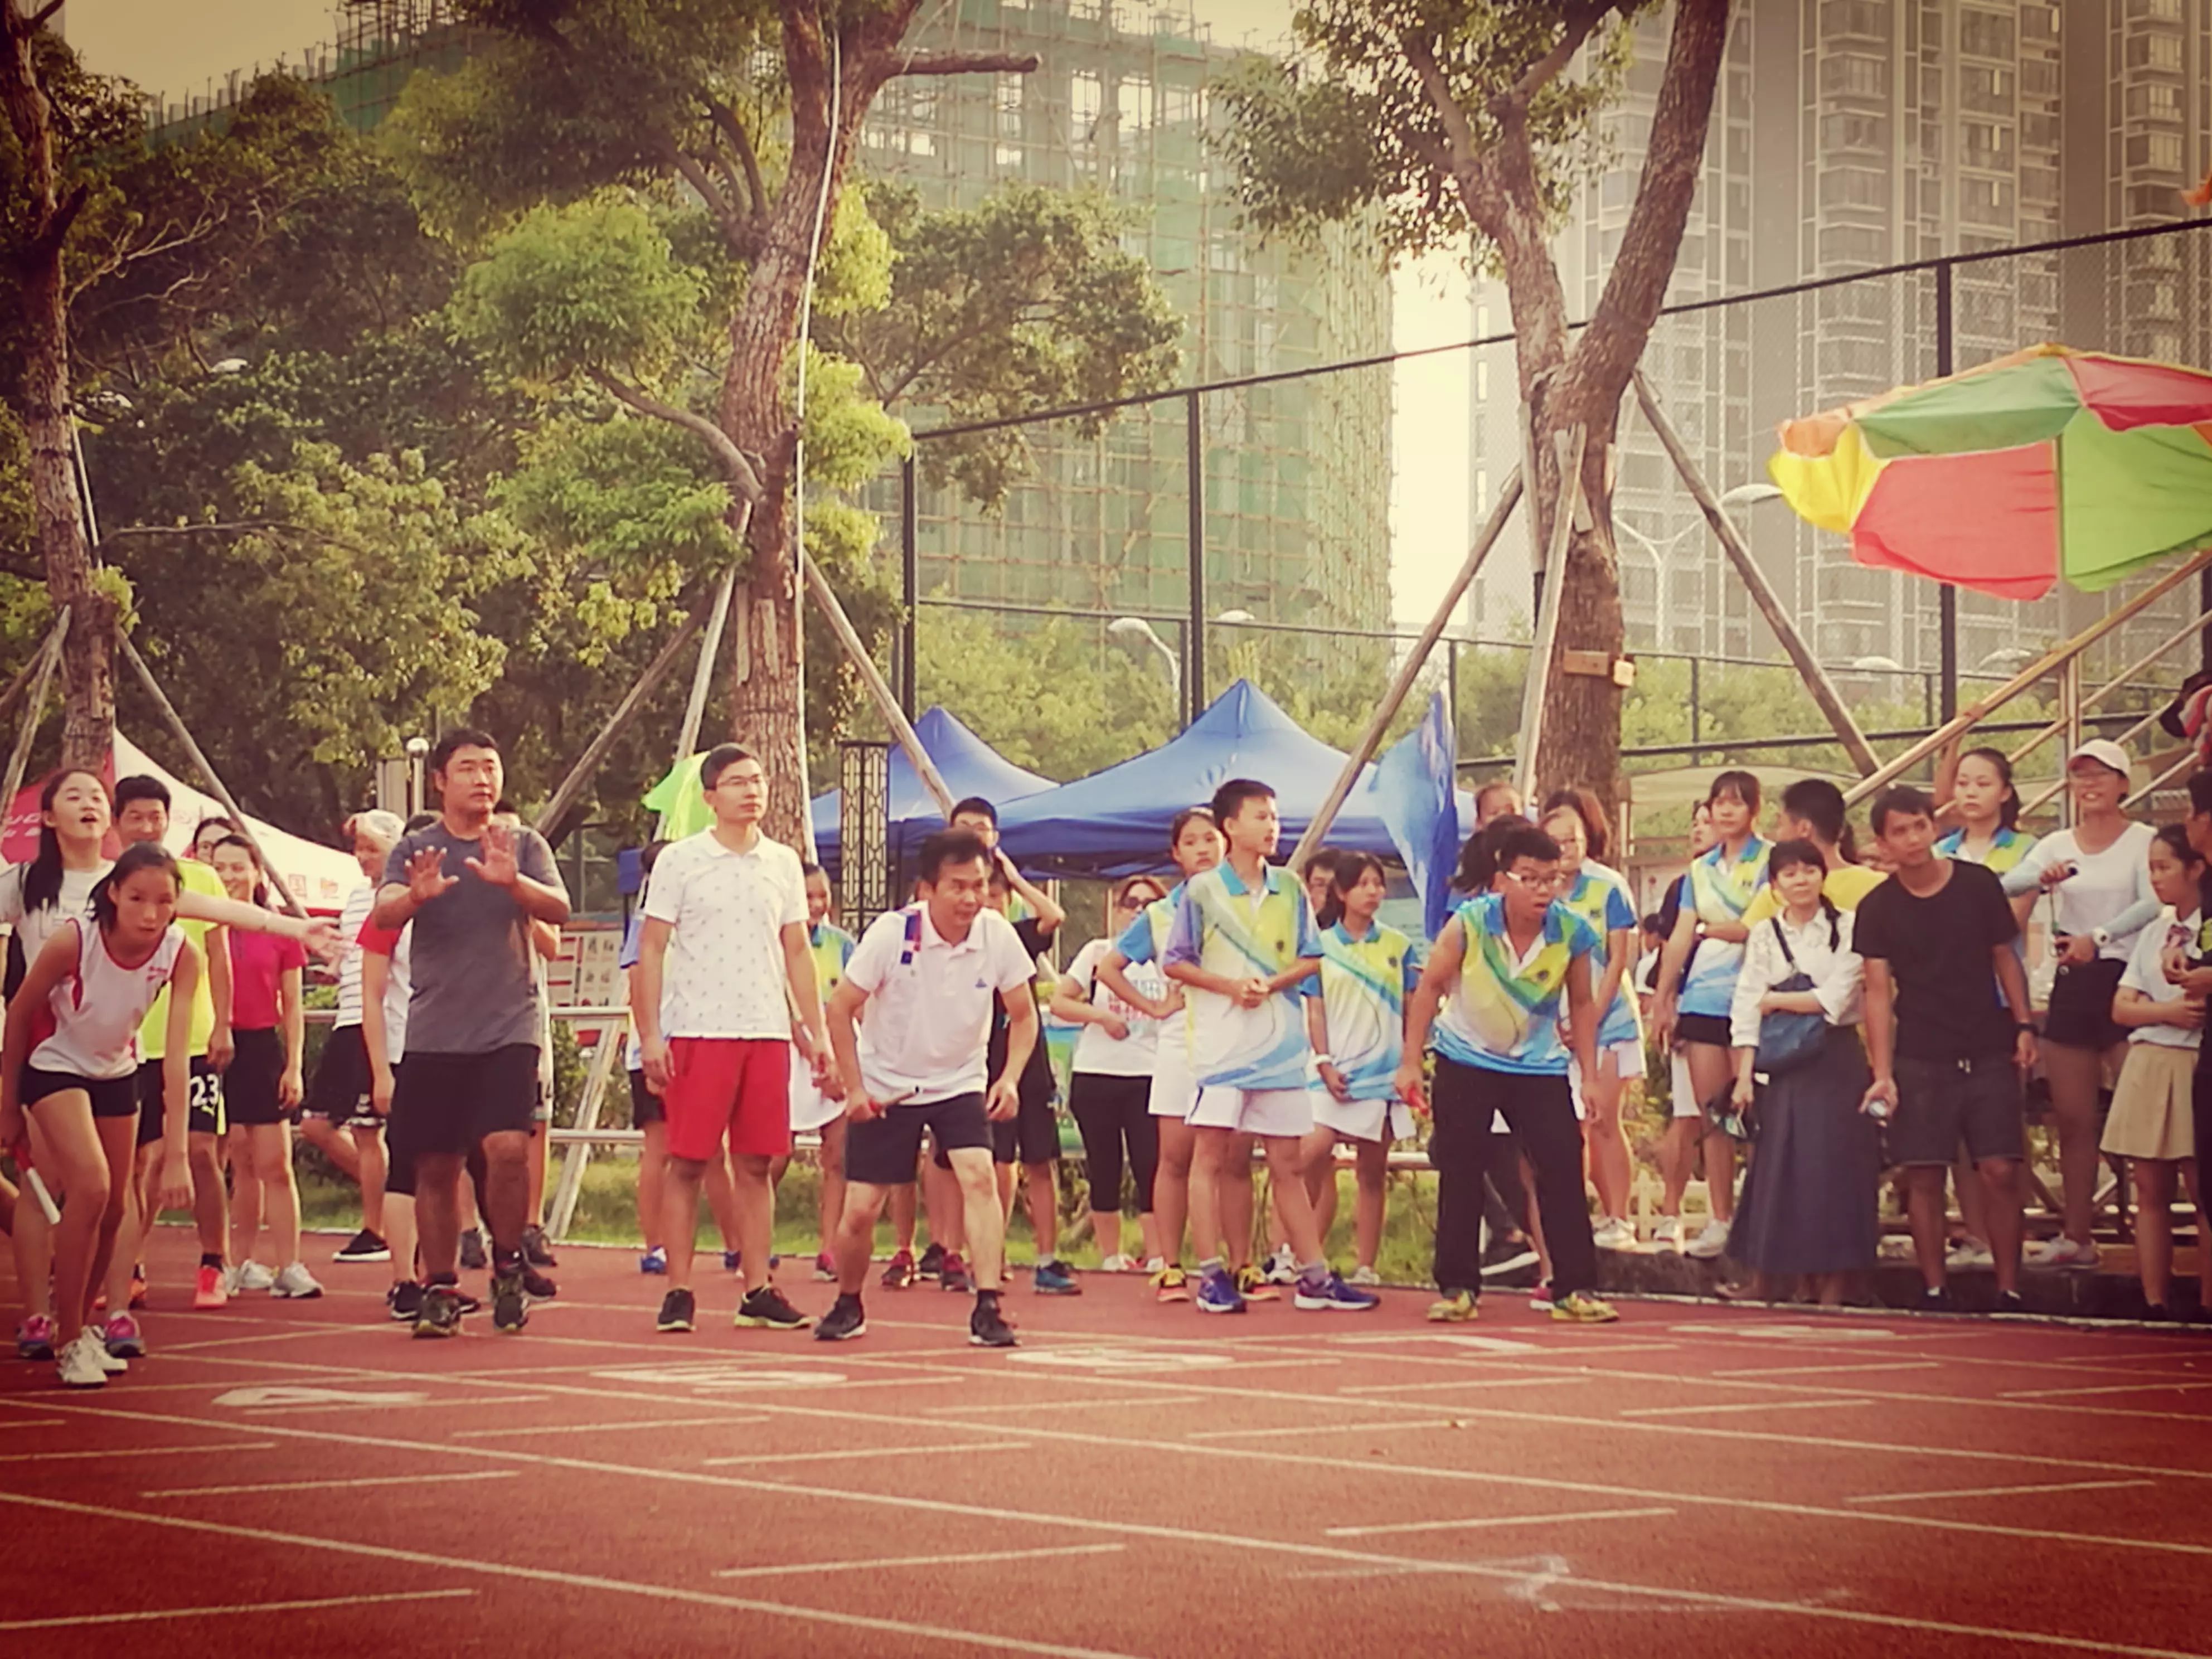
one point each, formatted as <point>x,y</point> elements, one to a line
<point>1363,1276</point>
<point>1667,1233</point>
<point>294,1280</point>
<point>1283,1268</point>
<point>83,1362</point>
<point>2062,1252</point>
<point>1158,1264</point>
<point>1968,1254</point>
<point>1615,1235</point>
<point>252,1276</point>
<point>1117,1264</point>
<point>1710,1243</point>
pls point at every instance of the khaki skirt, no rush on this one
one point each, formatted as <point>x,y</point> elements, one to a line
<point>2152,1113</point>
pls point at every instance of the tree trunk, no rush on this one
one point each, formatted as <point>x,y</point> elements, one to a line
<point>88,652</point>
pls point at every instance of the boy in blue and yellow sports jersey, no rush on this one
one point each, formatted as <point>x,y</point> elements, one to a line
<point>1492,993</point>
<point>1357,1027</point>
<point>812,1108</point>
<point>1194,844</point>
<point>1244,949</point>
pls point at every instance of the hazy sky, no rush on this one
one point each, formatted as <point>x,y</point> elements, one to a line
<point>175,47</point>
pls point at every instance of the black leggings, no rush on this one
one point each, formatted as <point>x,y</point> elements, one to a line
<point>1540,1112</point>
<point>1109,1110</point>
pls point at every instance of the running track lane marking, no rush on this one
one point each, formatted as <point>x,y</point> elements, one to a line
<point>138,1451</point>
<point>1151,1402</point>
<point>1081,1524</point>
<point>628,1587</point>
<point>1828,1370</point>
<point>920,1560</point>
<point>1396,1527</point>
<point>876,1452</point>
<point>2149,1385</point>
<point>327,1486</point>
<point>1466,1382</point>
<point>608,1428</point>
<point>1743,1405</point>
<point>1321,1428</point>
<point>224,1612</point>
<point>1998,1492</point>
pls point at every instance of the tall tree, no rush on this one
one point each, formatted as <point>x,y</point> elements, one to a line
<point>1456,124</point>
<point>574,96</point>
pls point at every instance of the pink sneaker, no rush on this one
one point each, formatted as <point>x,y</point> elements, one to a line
<point>1541,1298</point>
<point>208,1291</point>
<point>34,1338</point>
<point>122,1338</point>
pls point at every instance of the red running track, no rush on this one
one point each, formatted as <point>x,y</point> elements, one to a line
<point>301,1479</point>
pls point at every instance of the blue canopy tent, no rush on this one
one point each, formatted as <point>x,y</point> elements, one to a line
<point>1115,822</point>
<point>969,766</point>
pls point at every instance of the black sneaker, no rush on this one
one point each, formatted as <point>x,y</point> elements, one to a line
<point>537,1286</point>
<point>364,1246</point>
<point>955,1276</point>
<point>2011,1301</point>
<point>403,1301</point>
<point>1936,1298</point>
<point>510,1307</point>
<point>468,1303</point>
<point>932,1265</point>
<point>677,1312</point>
<point>1504,1256</point>
<point>986,1326</point>
<point>535,1250</point>
<point>439,1314</point>
<point>843,1321</point>
<point>765,1310</point>
<point>473,1258</point>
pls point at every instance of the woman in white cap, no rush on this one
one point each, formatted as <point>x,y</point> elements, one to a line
<point>2097,876</point>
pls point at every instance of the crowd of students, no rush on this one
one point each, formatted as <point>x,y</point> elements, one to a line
<point>1825,1020</point>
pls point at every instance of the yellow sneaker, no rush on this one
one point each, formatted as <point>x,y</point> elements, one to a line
<point>1456,1307</point>
<point>1252,1285</point>
<point>1171,1284</point>
<point>1580,1308</point>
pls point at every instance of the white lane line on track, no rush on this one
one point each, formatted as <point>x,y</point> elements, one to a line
<point>1321,1428</point>
<point>1469,1382</point>
<point>1735,1406</point>
<point>1148,1401</point>
<point>2148,1385</point>
<point>1828,1370</point>
<point>1997,1491</point>
<point>1398,1527</point>
<point>331,1486</point>
<point>38,1423</point>
<point>607,1428</point>
<point>622,1586</point>
<point>363,1407</point>
<point>919,1561</point>
<point>74,1620</point>
<point>812,1495</point>
<point>139,1451</point>
<point>867,1451</point>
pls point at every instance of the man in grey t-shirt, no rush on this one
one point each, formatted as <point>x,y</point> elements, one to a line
<point>471,888</point>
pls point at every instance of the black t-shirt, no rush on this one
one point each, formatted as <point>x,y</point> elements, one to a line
<point>1036,1075</point>
<point>1939,951</point>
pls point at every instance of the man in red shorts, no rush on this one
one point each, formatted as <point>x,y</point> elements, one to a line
<point>723,947</point>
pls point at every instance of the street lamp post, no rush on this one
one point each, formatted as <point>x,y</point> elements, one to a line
<point>1743,495</point>
<point>1136,628</point>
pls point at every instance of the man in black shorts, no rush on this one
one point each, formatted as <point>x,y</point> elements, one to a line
<point>472,888</point>
<point>1948,1033</point>
<point>1032,1137</point>
<point>927,976</point>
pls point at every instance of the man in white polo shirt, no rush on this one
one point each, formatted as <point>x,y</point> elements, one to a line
<point>928,975</point>
<point>723,944</point>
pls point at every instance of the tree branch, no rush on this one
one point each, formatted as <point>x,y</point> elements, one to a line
<point>737,231</point>
<point>49,241</point>
<point>36,20</point>
<point>229,528</point>
<point>725,117</point>
<point>965,63</point>
<point>1581,21</point>
<point>1461,147</point>
<point>743,475</point>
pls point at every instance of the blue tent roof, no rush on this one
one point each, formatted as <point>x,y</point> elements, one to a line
<point>967,764</point>
<point>1115,822</point>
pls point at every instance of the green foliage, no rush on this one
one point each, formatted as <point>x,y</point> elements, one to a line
<point>1341,130</point>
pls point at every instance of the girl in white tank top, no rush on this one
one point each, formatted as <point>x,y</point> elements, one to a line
<point>68,1065</point>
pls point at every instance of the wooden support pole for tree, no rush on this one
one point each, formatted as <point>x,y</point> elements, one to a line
<point>25,675</point>
<point>41,672</point>
<point>579,776</point>
<point>587,1119</point>
<point>879,691</point>
<point>702,677</point>
<point>1409,670</point>
<point>1755,580</point>
<point>221,791</point>
<point>1571,446</point>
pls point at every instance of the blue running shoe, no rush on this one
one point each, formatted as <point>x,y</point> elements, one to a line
<point>1217,1293</point>
<point>654,1261</point>
<point>732,1262</point>
<point>1333,1294</point>
<point>1054,1279</point>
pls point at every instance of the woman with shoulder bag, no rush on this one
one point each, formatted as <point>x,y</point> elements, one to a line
<point>1808,1204</point>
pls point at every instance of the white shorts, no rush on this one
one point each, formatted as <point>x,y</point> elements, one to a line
<point>1385,1121</point>
<point>1627,1061</point>
<point>1175,1091</point>
<point>1685,1092</point>
<point>1254,1111</point>
<point>810,1108</point>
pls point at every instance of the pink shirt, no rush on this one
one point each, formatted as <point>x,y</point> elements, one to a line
<point>258,962</point>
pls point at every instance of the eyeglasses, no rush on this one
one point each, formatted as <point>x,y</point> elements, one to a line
<point>1550,883</point>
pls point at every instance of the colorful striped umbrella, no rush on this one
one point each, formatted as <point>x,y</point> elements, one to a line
<point>2049,463</point>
